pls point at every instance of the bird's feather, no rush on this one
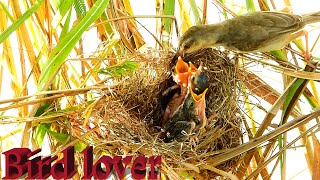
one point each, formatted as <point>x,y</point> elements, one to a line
<point>254,30</point>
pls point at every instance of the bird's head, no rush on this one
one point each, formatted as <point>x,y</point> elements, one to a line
<point>199,79</point>
<point>196,38</point>
<point>190,42</point>
<point>195,103</point>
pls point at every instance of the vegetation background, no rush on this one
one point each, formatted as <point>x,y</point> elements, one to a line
<point>52,60</point>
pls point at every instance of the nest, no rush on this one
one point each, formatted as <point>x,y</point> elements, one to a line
<point>127,118</point>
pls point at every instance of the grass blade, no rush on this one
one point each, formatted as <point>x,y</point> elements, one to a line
<point>316,157</point>
<point>168,10</point>
<point>6,33</point>
<point>195,12</point>
<point>250,6</point>
<point>62,50</point>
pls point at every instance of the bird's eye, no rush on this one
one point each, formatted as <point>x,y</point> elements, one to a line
<point>191,104</point>
<point>187,46</point>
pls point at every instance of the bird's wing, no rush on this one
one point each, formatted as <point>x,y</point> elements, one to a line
<point>179,131</point>
<point>167,95</point>
<point>275,23</point>
<point>255,30</point>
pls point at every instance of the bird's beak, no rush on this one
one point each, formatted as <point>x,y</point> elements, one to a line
<point>196,71</point>
<point>181,67</point>
<point>200,102</point>
<point>181,72</point>
<point>198,98</point>
<point>192,68</point>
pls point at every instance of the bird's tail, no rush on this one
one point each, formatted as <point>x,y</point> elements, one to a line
<point>311,18</point>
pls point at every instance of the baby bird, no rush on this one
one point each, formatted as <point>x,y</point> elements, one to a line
<point>199,79</point>
<point>187,118</point>
<point>181,76</point>
<point>199,85</point>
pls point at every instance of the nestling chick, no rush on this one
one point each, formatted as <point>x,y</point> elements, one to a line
<point>199,79</point>
<point>181,76</point>
<point>187,118</point>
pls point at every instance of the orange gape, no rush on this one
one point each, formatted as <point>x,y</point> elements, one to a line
<point>181,76</point>
<point>200,108</point>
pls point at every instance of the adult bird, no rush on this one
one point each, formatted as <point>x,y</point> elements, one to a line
<point>252,32</point>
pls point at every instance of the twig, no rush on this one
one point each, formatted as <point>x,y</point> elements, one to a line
<point>280,152</point>
<point>218,171</point>
<point>139,16</point>
<point>256,142</point>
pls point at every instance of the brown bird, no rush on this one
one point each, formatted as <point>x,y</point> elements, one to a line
<point>252,32</point>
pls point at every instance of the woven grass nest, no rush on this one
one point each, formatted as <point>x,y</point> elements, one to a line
<point>128,116</point>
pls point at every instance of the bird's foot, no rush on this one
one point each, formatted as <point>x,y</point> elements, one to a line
<point>307,55</point>
<point>194,140</point>
<point>212,118</point>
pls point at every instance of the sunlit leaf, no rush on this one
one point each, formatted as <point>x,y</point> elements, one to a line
<point>79,146</point>
<point>40,132</point>
<point>58,136</point>
<point>185,175</point>
<point>65,28</point>
<point>80,7</point>
<point>279,54</point>
<point>250,6</point>
<point>195,12</point>
<point>4,35</point>
<point>62,50</point>
<point>169,6</point>
<point>121,69</point>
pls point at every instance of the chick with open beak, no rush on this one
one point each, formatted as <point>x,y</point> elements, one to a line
<point>199,85</point>
<point>181,76</point>
<point>189,116</point>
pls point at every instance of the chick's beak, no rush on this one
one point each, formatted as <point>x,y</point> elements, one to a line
<point>192,68</point>
<point>201,67</point>
<point>198,98</point>
<point>196,71</point>
<point>181,72</point>
<point>200,101</point>
<point>181,66</point>
<point>200,107</point>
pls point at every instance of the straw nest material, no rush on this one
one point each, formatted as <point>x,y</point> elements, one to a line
<point>128,116</point>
